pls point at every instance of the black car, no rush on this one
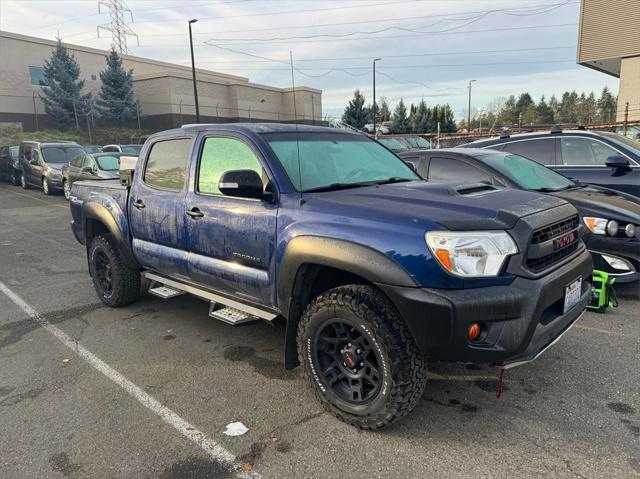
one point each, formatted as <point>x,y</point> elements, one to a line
<point>41,163</point>
<point>9,170</point>
<point>611,218</point>
<point>596,157</point>
<point>99,166</point>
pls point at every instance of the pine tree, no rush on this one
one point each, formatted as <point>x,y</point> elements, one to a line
<point>544,114</point>
<point>413,118</point>
<point>423,118</point>
<point>400,120</point>
<point>116,102</point>
<point>508,115</point>
<point>385,112</point>
<point>590,108</point>
<point>63,89</point>
<point>607,106</point>
<point>355,114</point>
<point>449,119</point>
<point>555,108</point>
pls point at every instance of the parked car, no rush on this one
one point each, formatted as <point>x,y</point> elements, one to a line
<point>372,268</point>
<point>92,149</point>
<point>416,142</point>
<point>9,170</point>
<point>611,218</point>
<point>128,149</point>
<point>596,157</point>
<point>99,166</point>
<point>368,128</point>
<point>41,163</point>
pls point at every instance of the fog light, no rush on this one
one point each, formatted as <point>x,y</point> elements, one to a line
<point>630,230</point>
<point>617,263</point>
<point>612,228</point>
<point>474,332</point>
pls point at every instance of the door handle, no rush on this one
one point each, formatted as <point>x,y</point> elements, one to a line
<point>195,213</point>
<point>139,204</point>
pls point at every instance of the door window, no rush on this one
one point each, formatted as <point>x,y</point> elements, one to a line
<point>220,155</point>
<point>27,153</point>
<point>536,150</point>
<point>448,169</point>
<point>89,162</point>
<point>167,164</point>
<point>584,151</point>
<point>77,161</point>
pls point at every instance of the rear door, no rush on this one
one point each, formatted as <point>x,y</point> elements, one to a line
<point>155,207</point>
<point>36,170</point>
<point>541,150</point>
<point>584,159</point>
<point>231,240</point>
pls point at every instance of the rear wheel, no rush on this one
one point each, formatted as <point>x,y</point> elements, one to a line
<point>360,357</point>
<point>116,283</point>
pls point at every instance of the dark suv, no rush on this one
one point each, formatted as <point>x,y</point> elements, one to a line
<point>597,157</point>
<point>9,164</point>
<point>41,163</point>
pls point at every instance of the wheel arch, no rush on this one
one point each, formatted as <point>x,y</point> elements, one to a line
<point>97,220</point>
<point>312,265</point>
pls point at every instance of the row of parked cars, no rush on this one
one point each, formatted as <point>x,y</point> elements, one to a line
<point>55,166</point>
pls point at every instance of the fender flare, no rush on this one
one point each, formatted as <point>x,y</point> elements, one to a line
<point>97,212</point>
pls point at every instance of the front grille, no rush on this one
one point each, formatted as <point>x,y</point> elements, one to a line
<point>548,234</point>
<point>555,230</point>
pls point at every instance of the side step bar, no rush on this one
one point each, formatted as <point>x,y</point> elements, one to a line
<point>234,312</point>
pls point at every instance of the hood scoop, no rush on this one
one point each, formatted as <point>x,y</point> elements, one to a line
<point>472,189</point>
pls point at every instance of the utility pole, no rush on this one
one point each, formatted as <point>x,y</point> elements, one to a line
<point>375,131</point>
<point>35,111</point>
<point>626,117</point>
<point>117,26</point>
<point>469,111</point>
<point>193,72</point>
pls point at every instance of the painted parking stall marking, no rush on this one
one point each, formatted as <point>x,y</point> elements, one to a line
<point>213,449</point>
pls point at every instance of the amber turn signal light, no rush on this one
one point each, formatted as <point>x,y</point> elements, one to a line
<point>474,332</point>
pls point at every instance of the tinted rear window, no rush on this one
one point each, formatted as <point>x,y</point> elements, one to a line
<point>540,150</point>
<point>167,164</point>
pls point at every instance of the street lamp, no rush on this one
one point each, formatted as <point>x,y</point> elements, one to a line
<point>375,131</point>
<point>469,111</point>
<point>193,72</point>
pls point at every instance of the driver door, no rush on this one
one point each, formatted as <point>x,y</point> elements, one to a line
<point>231,240</point>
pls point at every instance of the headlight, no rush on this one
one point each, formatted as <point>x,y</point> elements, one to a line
<point>601,226</point>
<point>471,253</point>
<point>630,230</point>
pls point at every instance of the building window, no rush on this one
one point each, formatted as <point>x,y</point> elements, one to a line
<point>36,74</point>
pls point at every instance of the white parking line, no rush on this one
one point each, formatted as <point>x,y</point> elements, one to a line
<point>214,450</point>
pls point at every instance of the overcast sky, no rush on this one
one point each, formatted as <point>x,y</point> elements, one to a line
<point>429,48</point>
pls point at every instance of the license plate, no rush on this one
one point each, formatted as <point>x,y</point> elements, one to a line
<point>572,295</point>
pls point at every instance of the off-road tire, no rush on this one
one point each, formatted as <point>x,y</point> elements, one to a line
<point>125,281</point>
<point>406,367</point>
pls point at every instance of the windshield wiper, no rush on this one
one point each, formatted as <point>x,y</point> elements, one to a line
<point>553,190</point>
<point>393,179</point>
<point>335,187</point>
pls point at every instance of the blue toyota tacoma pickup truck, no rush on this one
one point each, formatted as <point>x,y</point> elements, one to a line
<point>373,269</point>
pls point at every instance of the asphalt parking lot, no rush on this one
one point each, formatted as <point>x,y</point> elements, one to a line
<point>573,413</point>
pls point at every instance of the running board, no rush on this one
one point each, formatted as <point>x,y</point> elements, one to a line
<point>234,307</point>
<point>165,293</point>
<point>230,315</point>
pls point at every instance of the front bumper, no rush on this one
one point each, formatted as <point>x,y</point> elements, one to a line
<point>55,183</point>
<point>519,320</point>
<point>627,249</point>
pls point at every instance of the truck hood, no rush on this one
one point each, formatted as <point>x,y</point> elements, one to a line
<point>591,200</point>
<point>453,205</point>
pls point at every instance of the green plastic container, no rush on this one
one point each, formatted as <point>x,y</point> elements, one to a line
<point>602,294</point>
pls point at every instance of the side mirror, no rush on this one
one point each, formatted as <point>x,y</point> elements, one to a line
<point>412,165</point>
<point>618,162</point>
<point>87,169</point>
<point>241,184</point>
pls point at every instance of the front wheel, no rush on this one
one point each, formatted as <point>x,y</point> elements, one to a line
<point>116,283</point>
<point>67,189</point>
<point>360,358</point>
<point>45,187</point>
<point>23,182</point>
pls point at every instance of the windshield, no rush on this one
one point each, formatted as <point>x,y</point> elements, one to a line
<point>623,141</point>
<point>330,160</point>
<point>92,148</point>
<point>108,163</point>
<point>61,154</point>
<point>131,149</point>
<point>526,173</point>
<point>392,144</point>
<point>13,151</point>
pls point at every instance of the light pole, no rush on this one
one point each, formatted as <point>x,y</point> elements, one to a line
<point>193,72</point>
<point>469,111</point>
<point>375,131</point>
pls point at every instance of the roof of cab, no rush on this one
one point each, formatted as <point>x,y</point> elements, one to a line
<point>254,128</point>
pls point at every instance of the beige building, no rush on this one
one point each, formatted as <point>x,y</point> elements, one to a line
<point>164,90</point>
<point>609,41</point>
